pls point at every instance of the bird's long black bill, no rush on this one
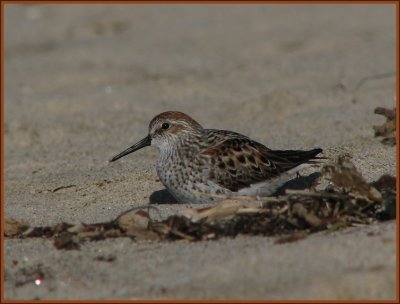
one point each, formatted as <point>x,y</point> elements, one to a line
<point>141,144</point>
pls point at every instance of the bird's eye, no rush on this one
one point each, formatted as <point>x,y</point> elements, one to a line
<point>165,126</point>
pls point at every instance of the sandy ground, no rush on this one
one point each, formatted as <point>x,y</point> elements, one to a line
<point>82,83</point>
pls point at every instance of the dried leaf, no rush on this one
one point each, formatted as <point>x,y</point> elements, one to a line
<point>309,217</point>
<point>134,220</point>
<point>345,175</point>
<point>388,129</point>
<point>385,183</point>
<point>13,227</point>
<point>225,209</point>
<point>66,241</point>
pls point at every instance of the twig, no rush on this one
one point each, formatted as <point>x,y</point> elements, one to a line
<point>182,235</point>
<point>139,208</point>
<point>315,194</point>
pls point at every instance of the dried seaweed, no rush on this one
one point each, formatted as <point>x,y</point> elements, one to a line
<point>13,227</point>
<point>348,200</point>
<point>388,129</point>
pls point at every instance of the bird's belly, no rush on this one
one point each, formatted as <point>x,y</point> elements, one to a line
<point>185,185</point>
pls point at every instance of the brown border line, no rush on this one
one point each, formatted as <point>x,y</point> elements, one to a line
<point>203,301</point>
<point>344,2</point>
<point>397,147</point>
<point>3,3</point>
<point>2,155</point>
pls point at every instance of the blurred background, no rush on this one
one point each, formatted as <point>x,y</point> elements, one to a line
<point>82,83</point>
<point>103,71</point>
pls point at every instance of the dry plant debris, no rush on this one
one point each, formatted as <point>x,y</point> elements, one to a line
<point>348,200</point>
<point>388,129</point>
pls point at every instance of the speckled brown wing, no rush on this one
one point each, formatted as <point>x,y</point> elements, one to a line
<point>240,162</point>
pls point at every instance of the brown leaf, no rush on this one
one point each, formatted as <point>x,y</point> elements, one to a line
<point>388,129</point>
<point>389,114</point>
<point>38,232</point>
<point>137,220</point>
<point>385,182</point>
<point>13,227</point>
<point>66,241</point>
<point>310,218</point>
<point>225,209</point>
<point>345,175</point>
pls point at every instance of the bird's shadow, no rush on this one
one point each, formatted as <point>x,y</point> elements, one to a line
<point>161,197</point>
<point>299,183</point>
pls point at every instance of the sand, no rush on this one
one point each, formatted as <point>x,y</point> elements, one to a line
<point>83,81</point>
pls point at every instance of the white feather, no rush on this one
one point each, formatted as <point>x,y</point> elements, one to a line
<point>268,187</point>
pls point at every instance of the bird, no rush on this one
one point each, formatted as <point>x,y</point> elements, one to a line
<point>199,165</point>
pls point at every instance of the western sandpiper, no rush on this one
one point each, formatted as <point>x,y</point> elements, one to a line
<point>197,164</point>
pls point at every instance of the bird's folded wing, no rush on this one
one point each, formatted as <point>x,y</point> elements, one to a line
<point>238,163</point>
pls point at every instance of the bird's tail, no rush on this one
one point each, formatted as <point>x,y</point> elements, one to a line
<point>300,156</point>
